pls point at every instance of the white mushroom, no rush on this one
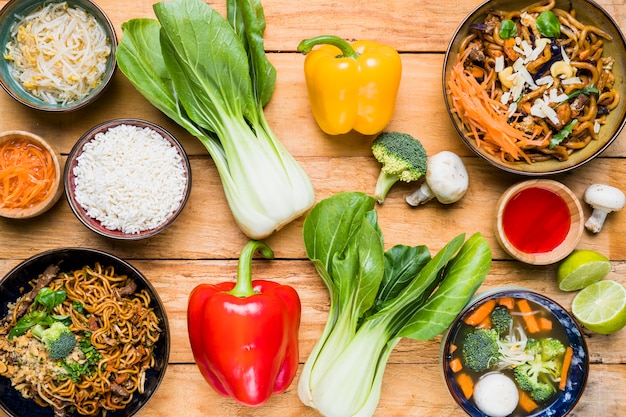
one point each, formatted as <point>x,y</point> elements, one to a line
<point>604,199</point>
<point>446,180</point>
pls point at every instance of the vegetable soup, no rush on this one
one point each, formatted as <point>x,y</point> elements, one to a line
<point>511,355</point>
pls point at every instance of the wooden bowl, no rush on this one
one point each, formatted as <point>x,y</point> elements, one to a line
<point>56,187</point>
<point>539,221</point>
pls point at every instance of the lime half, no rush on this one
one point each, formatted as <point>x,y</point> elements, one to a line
<point>601,306</point>
<point>582,268</point>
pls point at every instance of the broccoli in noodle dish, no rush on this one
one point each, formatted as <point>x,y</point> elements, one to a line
<point>533,84</point>
<point>79,342</point>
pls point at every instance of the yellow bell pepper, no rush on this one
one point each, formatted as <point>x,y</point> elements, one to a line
<point>351,86</point>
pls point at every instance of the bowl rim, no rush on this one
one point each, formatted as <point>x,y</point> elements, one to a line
<point>493,161</point>
<point>568,244</point>
<point>573,330</point>
<point>57,186</point>
<point>37,104</point>
<point>127,266</point>
<point>93,224</point>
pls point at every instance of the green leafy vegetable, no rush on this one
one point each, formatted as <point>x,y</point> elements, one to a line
<point>507,29</point>
<point>590,89</point>
<point>376,298</point>
<point>548,24</point>
<point>562,134</point>
<point>211,76</point>
<point>40,312</point>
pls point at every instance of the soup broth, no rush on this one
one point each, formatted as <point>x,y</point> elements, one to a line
<point>529,325</point>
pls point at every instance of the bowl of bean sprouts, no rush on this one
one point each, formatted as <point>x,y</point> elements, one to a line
<point>537,88</point>
<point>57,56</point>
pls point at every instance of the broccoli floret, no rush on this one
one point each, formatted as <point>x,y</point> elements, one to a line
<point>501,319</point>
<point>539,376</point>
<point>551,348</point>
<point>403,158</point>
<point>480,349</point>
<point>58,339</point>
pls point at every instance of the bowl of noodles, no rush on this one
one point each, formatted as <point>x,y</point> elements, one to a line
<point>82,333</point>
<point>57,55</point>
<point>537,88</point>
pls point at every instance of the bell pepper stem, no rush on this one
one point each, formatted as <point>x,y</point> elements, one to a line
<point>347,50</point>
<point>243,287</point>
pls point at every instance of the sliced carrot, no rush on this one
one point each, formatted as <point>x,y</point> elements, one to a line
<point>545,324</point>
<point>527,403</point>
<point>456,365</point>
<point>480,313</point>
<point>528,315</point>
<point>466,384</point>
<point>567,361</point>
<point>508,302</point>
<point>486,323</point>
<point>453,347</point>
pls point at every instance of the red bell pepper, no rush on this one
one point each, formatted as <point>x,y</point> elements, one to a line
<point>244,335</point>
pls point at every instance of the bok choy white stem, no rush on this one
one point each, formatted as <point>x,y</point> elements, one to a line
<point>377,298</point>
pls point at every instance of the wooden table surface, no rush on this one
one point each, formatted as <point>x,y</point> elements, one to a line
<point>204,243</point>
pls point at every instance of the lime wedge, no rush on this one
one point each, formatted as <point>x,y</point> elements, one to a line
<point>601,306</point>
<point>582,268</point>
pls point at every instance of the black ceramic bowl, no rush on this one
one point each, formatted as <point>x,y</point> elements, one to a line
<point>564,401</point>
<point>10,14</point>
<point>11,401</point>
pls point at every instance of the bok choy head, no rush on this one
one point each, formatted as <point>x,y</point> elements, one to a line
<point>211,76</point>
<point>377,297</point>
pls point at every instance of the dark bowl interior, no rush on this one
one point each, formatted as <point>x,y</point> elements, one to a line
<point>588,12</point>
<point>577,377</point>
<point>70,186</point>
<point>8,16</point>
<point>11,401</point>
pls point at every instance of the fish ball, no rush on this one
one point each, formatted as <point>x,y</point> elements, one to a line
<point>496,394</point>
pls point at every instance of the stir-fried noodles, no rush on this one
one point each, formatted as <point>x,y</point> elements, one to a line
<point>115,331</point>
<point>533,84</point>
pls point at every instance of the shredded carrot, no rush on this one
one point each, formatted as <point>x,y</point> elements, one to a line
<point>567,361</point>
<point>484,116</point>
<point>529,315</point>
<point>507,302</point>
<point>456,365</point>
<point>527,403</point>
<point>545,324</point>
<point>26,174</point>
<point>480,313</point>
<point>466,384</point>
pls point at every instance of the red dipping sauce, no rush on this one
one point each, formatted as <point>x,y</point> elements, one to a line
<point>536,220</point>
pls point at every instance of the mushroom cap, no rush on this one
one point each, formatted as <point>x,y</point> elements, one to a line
<point>447,177</point>
<point>605,197</point>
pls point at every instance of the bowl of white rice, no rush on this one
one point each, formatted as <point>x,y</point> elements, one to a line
<point>57,55</point>
<point>127,179</point>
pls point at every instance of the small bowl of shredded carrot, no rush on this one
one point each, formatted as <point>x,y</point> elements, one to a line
<point>515,352</point>
<point>537,87</point>
<point>57,55</point>
<point>31,175</point>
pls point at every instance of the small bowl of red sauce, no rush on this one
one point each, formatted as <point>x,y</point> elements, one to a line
<point>539,221</point>
<point>30,175</point>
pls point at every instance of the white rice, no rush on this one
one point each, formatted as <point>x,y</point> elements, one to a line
<point>130,179</point>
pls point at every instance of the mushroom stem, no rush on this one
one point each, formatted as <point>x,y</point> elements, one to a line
<point>420,196</point>
<point>596,220</point>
